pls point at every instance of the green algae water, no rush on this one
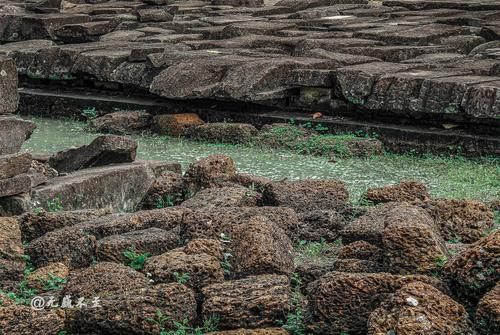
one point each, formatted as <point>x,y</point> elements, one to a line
<point>444,176</point>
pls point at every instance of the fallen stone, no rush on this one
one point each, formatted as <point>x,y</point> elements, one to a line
<point>209,171</point>
<point>488,312</point>
<point>15,185</point>
<point>404,191</point>
<point>201,269</point>
<point>14,164</point>
<point>474,271</point>
<point>175,124</point>
<point>14,131</point>
<point>320,225</point>
<point>8,86</point>
<point>154,15</point>
<point>411,242</point>
<point>236,302</point>
<point>104,150</point>
<point>419,308</point>
<point>122,122</point>
<point>103,278</point>
<point>153,241</point>
<point>214,222</point>
<point>307,195</point>
<point>132,311</point>
<point>223,132</point>
<point>461,220</point>
<point>344,301</point>
<point>223,197</point>
<point>260,247</point>
<point>11,246</point>
<point>168,189</point>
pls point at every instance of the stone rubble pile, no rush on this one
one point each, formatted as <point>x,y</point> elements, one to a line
<point>219,245</point>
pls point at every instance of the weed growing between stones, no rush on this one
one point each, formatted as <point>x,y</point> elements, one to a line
<point>308,251</point>
<point>164,202</point>
<point>89,113</point>
<point>24,293</point>
<point>135,260</point>
<point>181,278</point>
<point>295,323</point>
<point>54,205</point>
<point>183,327</point>
<point>53,283</point>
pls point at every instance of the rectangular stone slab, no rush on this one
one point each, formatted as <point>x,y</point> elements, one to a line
<point>13,132</point>
<point>15,164</point>
<point>15,185</point>
<point>120,187</point>
<point>9,97</point>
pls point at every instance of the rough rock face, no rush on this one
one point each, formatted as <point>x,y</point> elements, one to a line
<point>474,271</point>
<point>15,185</point>
<point>104,150</point>
<point>103,278</point>
<point>361,250</point>
<point>368,227</point>
<point>34,225</point>
<point>209,171</point>
<point>205,246</point>
<point>223,132</point>
<point>14,131</point>
<point>410,241</point>
<point>320,224</point>
<point>167,189</point>
<point>342,302</point>
<point>405,191</point>
<point>131,312</point>
<point>153,241</point>
<point>122,122</point>
<point>307,195</point>
<point>8,86</point>
<point>211,223</point>
<point>37,278</point>
<point>223,197</point>
<point>14,164</point>
<point>260,247</point>
<point>202,269</point>
<point>19,319</point>
<point>11,246</point>
<point>488,312</point>
<point>175,124</point>
<point>255,301</point>
<point>419,308</point>
<point>121,186</point>
<point>462,220</point>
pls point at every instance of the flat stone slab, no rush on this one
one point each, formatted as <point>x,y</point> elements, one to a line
<point>8,86</point>
<point>120,187</point>
<point>14,164</point>
<point>13,132</point>
<point>15,185</point>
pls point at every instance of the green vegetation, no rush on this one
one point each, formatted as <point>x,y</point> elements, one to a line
<point>446,176</point>
<point>164,201</point>
<point>89,113</point>
<point>181,278</point>
<point>24,293</point>
<point>54,205</point>
<point>182,327</point>
<point>53,283</point>
<point>295,323</point>
<point>135,260</point>
<point>312,251</point>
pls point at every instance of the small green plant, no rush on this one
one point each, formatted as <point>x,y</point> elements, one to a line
<point>441,261</point>
<point>54,205</point>
<point>321,128</point>
<point>164,201</point>
<point>226,264</point>
<point>294,322</point>
<point>135,260</point>
<point>181,278</point>
<point>182,327</point>
<point>53,283</point>
<point>89,113</point>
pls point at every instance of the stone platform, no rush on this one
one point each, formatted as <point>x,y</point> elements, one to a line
<point>429,63</point>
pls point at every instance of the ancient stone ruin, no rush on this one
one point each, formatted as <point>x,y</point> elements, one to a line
<point>96,239</point>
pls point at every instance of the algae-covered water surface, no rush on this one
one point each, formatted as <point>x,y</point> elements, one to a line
<point>445,177</point>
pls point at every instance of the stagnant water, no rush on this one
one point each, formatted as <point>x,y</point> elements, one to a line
<point>445,177</point>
